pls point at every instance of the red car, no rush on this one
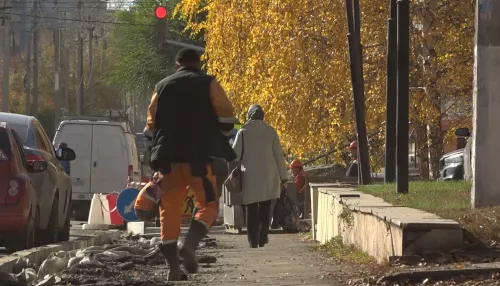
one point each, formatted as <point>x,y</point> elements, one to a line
<point>19,217</point>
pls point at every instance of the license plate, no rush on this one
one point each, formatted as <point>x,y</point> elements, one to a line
<point>77,183</point>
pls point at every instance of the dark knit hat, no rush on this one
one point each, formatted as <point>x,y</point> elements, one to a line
<point>187,56</point>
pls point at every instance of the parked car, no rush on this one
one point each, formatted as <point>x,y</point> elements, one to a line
<point>18,214</point>
<point>452,165</point>
<point>53,186</point>
<point>107,158</point>
<point>456,165</point>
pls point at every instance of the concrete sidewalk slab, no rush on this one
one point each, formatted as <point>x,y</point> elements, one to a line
<point>378,228</point>
<point>286,260</point>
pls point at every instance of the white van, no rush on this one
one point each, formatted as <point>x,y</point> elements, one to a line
<point>107,158</point>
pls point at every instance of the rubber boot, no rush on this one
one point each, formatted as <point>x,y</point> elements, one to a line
<point>171,254</point>
<point>197,231</point>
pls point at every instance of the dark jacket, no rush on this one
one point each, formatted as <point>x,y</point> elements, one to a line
<point>186,127</point>
<point>352,170</point>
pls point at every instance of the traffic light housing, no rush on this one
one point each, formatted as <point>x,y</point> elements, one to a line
<point>161,14</point>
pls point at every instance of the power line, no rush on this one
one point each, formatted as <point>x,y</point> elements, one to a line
<point>80,20</point>
<point>83,2</point>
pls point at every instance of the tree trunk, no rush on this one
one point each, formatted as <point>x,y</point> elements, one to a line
<point>423,150</point>
<point>429,61</point>
<point>436,146</point>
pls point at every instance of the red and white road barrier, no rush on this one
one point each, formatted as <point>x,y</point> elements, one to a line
<point>103,212</point>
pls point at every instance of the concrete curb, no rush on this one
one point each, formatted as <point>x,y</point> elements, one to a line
<point>444,274</point>
<point>39,254</point>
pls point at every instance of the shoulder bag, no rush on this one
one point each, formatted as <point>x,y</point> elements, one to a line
<point>234,183</point>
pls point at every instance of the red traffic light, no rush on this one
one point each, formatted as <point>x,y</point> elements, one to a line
<point>161,12</point>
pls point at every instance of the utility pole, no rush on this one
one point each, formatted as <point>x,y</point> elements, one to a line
<point>1,40</point>
<point>485,135</point>
<point>65,66</point>
<point>91,66</point>
<point>79,72</point>
<point>27,79</point>
<point>6,58</point>
<point>403,31</point>
<point>57,71</point>
<point>356,66</point>
<point>103,53</point>
<point>35,61</point>
<point>391,95</point>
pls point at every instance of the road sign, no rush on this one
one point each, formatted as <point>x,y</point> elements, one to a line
<point>125,204</point>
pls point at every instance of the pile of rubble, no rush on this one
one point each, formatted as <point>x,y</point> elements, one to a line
<point>130,261</point>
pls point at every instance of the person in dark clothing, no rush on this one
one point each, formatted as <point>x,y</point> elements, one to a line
<point>191,120</point>
<point>300,184</point>
<point>352,170</point>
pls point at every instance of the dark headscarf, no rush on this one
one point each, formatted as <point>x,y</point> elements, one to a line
<point>255,112</point>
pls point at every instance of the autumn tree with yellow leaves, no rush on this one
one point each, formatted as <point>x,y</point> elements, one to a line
<point>291,57</point>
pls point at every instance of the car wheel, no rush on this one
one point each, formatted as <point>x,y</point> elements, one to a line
<point>65,232</point>
<point>24,241</point>
<point>51,232</point>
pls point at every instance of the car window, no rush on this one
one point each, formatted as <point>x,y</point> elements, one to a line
<point>40,140</point>
<point>20,150</point>
<point>46,140</point>
<point>30,137</point>
<point>21,132</point>
<point>5,143</point>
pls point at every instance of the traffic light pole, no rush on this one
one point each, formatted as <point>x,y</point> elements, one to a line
<point>160,31</point>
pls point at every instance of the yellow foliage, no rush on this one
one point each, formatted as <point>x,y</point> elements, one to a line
<point>291,57</point>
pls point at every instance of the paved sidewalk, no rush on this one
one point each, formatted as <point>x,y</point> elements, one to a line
<point>286,260</point>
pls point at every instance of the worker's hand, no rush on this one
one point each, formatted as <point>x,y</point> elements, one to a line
<point>284,183</point>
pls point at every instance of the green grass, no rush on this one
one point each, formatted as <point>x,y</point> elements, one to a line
<point>344,253</point>
<point>432,196</point>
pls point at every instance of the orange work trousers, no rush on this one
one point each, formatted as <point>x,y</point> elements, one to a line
<point>174,188</point>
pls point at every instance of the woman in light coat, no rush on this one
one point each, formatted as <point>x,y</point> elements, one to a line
<point>264,173</point>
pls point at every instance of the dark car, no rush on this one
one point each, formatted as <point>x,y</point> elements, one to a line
<point>53,186</point>
<point>19,217</point>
